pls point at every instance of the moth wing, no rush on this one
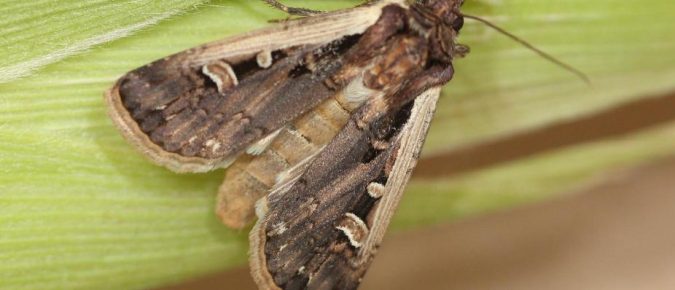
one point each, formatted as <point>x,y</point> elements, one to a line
<point>323,231</point>
<point>166,108</point>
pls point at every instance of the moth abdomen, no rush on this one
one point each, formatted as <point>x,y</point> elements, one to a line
<point>294,145</point>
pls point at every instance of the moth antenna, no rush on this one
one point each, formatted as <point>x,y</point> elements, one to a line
<point>531,47</point>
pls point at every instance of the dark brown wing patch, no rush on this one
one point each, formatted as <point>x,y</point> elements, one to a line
<point>195,111</point>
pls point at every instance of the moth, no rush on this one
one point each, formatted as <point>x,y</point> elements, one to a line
<point>320,121</point>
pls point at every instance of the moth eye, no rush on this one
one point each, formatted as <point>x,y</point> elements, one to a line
<point>458,23</point>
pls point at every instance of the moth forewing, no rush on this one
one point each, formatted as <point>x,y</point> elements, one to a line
<point>405,149</point>
<point>235,50</point>
<point>411,141</point>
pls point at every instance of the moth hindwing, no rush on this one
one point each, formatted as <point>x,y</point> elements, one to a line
<point>326,114</point>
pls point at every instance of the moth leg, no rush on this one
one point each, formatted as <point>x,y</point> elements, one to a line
<point>369,2</point>
<point>295,11</point>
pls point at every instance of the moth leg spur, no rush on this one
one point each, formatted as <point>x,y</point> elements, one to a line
<point>298,11</point>
<point>295,11</point>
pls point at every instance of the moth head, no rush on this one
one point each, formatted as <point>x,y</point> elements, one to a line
<point>447,22</point>
<point>445,11</point>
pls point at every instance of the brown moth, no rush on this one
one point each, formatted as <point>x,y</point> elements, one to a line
<point>319,119</point>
